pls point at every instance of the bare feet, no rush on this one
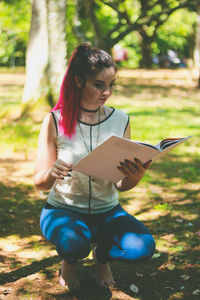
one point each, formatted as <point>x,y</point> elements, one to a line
<point>104,276</point>
<point>69,276</point>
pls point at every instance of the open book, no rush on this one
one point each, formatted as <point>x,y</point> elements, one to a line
<point>103,161</point>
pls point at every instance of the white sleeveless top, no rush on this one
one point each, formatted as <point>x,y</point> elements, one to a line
<point>80,192</point>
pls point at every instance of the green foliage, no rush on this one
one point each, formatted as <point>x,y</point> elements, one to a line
<point>14,29</point>
<point>102,23</point>
<point>163,206</point>
<point>71,37</point>
<point>177,33</point>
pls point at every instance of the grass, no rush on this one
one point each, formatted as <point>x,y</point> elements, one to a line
<point>160,105</point>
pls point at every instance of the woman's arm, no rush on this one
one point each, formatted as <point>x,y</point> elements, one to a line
<point>133,170</point>
<point>48,168</point>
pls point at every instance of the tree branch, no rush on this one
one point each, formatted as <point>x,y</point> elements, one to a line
<point>121,14</point>
<point>132,27</point>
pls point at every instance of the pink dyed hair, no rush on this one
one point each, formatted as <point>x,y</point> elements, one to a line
<point>85,61</point>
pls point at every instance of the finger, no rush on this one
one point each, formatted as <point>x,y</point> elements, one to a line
<point>60,173</point>
<point>139,164</point>
<point>128,169</point>
<point>62,165</point>
<point>61,162</point>
<point>147,164</point>
<point>132,166</point>
<point>123,170</point>
<point>62,168</point>
<point>55,175</point>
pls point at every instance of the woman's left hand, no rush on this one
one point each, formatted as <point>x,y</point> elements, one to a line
<point>133,171</point>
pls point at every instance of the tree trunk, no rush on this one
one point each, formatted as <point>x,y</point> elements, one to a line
<point>46,53</point>
<point>197,47</point>
<point>146,61</point>
<point>77,28</point>
<point>57,46</point>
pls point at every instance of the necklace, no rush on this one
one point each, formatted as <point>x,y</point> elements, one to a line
<point>82,135</point>
<point>90,111</point>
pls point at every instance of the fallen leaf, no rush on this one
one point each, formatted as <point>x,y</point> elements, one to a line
<point>196,292</point>
<point>176,258</point>
<point>170,267</point>
<point>134,288</point>
<point>153,274</point>
<point>190,224</point>
<point>185,277</point>
<point>156,255</point>
<point>7,291</point>
<point>169,288</point>
<point>178,220</point>
<point>198,233</point>
<point>139,274</point>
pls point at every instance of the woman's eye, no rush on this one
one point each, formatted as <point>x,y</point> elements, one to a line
<point>112,84</point>
<point>98,85</point>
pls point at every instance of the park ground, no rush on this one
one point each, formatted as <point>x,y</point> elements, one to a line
<point>161,103</point>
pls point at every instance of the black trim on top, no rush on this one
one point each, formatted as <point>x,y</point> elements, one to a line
<point>90,138</point>
<point>90,195</point>
<point>127,124</point>
<point>54,118</point>
<point>100,121</point>
<point>90,178</point>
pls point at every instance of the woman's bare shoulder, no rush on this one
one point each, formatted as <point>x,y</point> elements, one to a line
<point>48,124</point>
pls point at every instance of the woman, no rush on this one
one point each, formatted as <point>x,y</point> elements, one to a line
<point>81,209</point>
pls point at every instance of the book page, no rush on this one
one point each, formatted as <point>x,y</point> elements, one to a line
<point>171,146</point>
<point>103,161</point>
<point>167,142</point>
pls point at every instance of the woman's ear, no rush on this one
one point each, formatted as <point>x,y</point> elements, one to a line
<point>78,81</point>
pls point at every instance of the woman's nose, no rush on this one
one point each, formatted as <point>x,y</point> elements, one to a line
<point>107,91</point>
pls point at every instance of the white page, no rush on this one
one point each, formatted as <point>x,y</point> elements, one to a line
<point>103,161</point>
<point>164,151</point>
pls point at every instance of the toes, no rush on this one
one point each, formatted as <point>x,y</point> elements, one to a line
<point>107,284</point>
<point>110,283</point>
<point>69,285</point>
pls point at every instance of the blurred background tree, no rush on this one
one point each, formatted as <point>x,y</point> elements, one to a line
<point>148,29</point>
<point>15,18</point>
<point>145,28</point>
<point>46,53</point>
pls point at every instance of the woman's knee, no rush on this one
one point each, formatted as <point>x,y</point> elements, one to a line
<point>149,246</point>
<point>70,235</point>
<point>138,247</point>
<point>144,248</point>
<point>72,246</point>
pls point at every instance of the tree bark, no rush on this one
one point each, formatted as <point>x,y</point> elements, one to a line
<point>46,53</point>
<point>57,47</point>
<point>146,61</point>
<point>197,47</point>
<point>77,28</point>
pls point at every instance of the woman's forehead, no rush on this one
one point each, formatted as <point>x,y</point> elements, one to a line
<point>105,74</point>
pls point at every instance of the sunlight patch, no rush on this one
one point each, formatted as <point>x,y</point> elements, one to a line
<point>32,247</point>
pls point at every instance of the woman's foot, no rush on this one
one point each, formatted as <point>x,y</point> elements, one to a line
<point>69,276</point>
<point>104,276</point>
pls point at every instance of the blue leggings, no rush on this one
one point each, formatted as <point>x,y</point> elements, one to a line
<point>117,234</point>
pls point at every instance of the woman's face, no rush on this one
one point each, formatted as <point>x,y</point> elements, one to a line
<point>97,90</point>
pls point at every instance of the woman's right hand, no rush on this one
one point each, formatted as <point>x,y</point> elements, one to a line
<point>60,169</point>
<point>48,167</point>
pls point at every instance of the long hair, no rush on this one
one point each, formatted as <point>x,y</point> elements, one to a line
<point>85,61</point>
